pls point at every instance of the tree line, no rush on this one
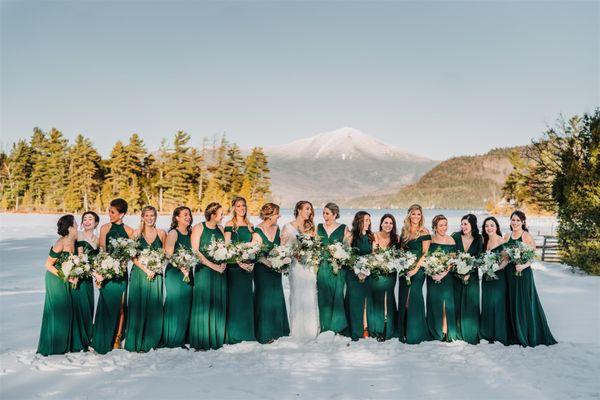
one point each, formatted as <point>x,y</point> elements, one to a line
<point>48,174</point>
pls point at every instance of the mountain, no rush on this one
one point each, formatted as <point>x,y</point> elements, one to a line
<point>339,165</point>
<point>471,182</point>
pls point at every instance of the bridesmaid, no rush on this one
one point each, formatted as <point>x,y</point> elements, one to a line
<point>55,335</point>
<point>145,306</point>
<point>240,299</point>
<point>270,313</point>
<point>494,321</point>
<point>527,319</point>
<point>358,288</point>
<point>209,301</point>
<point>330,286</point>
<point>83,295</point>
<point>466,297</point>
<point>441,319</point>
<point>412,325</point>
<point>110,312</point>
<point>382,314</point>
<point>178,298</point>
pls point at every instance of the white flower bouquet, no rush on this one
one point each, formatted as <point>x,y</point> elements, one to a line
<point>153,260</point>
<point>520,253</point>
<point>489,264</point>
<point>308,250</point>
<point>74,266</point>
<point>279,258</point>
<point>462,264</point>
<point>184,258</point>
<point>108,267</point>
<point>436,263</point>
<point>220,252</point>
<point>123,249</point>
<point>341,255</point>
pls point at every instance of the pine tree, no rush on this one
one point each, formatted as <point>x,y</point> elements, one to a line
<point>16,172</point>
<point>84,175</point>
<point>57,168</point>
<point>136,154</point>
<point>232,170</point>
<point>39,173</point>
<point>116,182</point>
<point>256,183</point>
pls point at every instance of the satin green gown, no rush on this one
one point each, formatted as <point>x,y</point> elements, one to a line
<point>494,301</point>
<point>57,320</point>
<point>412,324</point>
<point>270,313</point>
<point>382,312</point>
<point>466,297</point>
<point>111,303</point>
<point>209,301</point>
<point>178,301</point>
<point>528,325</point>
<point>240,296</point>
<point>440,296</point>
<point>357,293</point>
<point>83,305</point>
<point>145,306</point>
<point>330,286</point>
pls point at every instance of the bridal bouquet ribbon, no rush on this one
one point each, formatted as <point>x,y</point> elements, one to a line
<point>463,264</point>
<point>436,263</point>
<point>308,250</point>
<point>74,266</point>
<point>108,267</point>
<point>220,252</point>
<point>153,260</point>
<point>279,258</point>
<point>489,264</point>
<point>183,258</point>
<point>341,255</point>
<point>520,253</point>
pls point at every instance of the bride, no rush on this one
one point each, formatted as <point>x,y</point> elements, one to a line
<point>304,308</point>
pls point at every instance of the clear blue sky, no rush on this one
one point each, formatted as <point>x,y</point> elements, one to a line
<point>438,78</point>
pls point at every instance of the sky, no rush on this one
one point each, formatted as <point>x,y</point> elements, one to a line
<point>438,79</point>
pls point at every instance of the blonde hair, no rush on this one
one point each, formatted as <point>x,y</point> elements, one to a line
<point>436,220</point>
<point>234,215</point>
<point>142,222</point>
<point>309,224</point>
<point>268,210</point>
<point>406,224</point>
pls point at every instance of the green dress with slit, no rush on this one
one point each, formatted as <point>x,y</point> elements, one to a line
<point>494,317</point>
<point>145,306</point>
<point>330,285</point>
<point>357,292</point>
<point>209,301</point>
<point>83,305</point>
<point>466,296</point>
<point>440,296</point>
<point>240,296</point>
<point>382,312</point>
<point>111,302</point>
<point>270,313</point>
<point>528,325</point>
<point>412,324</point>
<point>178,301</point>
<point>57,319</point>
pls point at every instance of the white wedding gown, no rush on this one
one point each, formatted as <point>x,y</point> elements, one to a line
<point>304,306</point>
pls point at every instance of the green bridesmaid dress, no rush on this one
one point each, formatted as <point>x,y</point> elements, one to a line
<point>240,298</point>
<point>528,325</point>
<point>270,313</point>
<point>330,286</point>
<point>111,303</point>
<point>55,335</point>
<point>440,296</point>
<point>209,301</point>
<point>494,320</point>
<point>412,324</point>
<point>382,312</point>
<point>466,297</point>
<point>83,305</point>
<point>178,301</point>
<point>145,306</point>
<point>357,293</point>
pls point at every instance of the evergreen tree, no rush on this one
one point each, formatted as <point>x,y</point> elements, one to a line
<point>16,173</point>
<point>84,175</point>
<point>55,180</point>
<point>39,173</point>
<point>256,184</point>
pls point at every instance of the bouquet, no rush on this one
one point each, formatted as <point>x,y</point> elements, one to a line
<point>489,264</point>
<point>307,250</point>
<point>220,252</point>
<point>183,258</point>
<point>520,254</point>
<point>279,258</point>
<point>74,266</point>
<point>247,253</point>
<point>383,262</point>
<point>123,249</point>
<point>407,259</point>
<point>341,255</point>
<point>363,267</point>
<point>436,263</point>
<point>152,260</point>
<point>108,267</point>
<point>462,264</point>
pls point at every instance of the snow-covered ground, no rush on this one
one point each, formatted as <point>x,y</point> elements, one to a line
<point>330,367</point>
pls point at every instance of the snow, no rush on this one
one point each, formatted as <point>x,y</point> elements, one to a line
<point>345,143</point>
<point>330,367</point>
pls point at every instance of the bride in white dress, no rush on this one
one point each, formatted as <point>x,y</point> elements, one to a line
<point>304,306</point>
